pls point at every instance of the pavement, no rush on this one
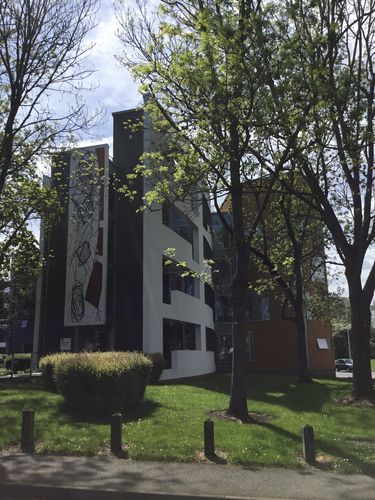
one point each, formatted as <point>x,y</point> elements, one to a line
<point>42,477</point>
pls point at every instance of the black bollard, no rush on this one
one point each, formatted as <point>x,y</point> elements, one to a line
<point>116,433</point>
<point>27,431</point>
<point>308,444</point>
<point>209,443</point>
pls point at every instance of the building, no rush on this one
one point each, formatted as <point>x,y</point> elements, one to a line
<point>271,341</point>
<point>106,285</point>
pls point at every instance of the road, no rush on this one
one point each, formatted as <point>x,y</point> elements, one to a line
<point>349,375</point>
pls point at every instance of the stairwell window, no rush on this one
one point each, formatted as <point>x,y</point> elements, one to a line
<point>180,223</point>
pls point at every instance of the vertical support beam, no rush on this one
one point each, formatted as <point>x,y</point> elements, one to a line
<point>209,443</point>
<point>308,444</point>
<point>27,431</point>
<point>116,433</point>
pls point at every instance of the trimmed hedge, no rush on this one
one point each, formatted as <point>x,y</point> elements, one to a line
<point>47,366</point>
<point>158,365</point>
<point>21,361</point>
<point>101,383</point>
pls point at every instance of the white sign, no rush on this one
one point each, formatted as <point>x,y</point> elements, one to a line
<point>86,260</point>
<point>3,345</point>
<point>65,344</point>
<point>322,343</point>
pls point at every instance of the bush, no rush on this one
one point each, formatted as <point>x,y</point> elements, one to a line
<point>158,365</point>
<point>21,362</point>
<point>47,366</point>
<point>101,383</point>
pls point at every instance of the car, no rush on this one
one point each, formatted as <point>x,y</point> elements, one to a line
<point>345,364</point>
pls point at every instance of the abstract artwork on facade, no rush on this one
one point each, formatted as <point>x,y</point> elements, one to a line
<point>86,270</point>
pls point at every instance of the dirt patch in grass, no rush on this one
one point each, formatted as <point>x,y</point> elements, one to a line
<point>323,461</point>
<point>218,458</point>
<point>252,418</point>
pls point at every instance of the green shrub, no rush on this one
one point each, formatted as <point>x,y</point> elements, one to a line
<point>101,383</point>
<point>21,361</point>
<point>158,365</point>
<point>372,349</point>
<point>47,366</point>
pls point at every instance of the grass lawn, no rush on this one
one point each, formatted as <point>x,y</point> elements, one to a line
<point>168,425</point>
<point>373,365</point>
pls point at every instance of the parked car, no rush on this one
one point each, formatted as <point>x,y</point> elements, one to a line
<point>345,364</point>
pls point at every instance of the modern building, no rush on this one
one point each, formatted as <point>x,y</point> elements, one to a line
<point>107,284</point>
<point>271,341</point>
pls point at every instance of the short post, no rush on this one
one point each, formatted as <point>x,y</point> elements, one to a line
<point>209,443</point>
<point>27,431</point>
<point>308,444</point>
<point>116,432</point>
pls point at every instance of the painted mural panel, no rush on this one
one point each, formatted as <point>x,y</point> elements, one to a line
<point>86,265</point>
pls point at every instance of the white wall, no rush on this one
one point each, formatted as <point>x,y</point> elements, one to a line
<point>189,364</point>
<point>156,239</point>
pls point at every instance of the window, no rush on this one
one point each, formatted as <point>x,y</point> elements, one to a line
<point>223,306</point>
<point>222,272</point>
<point>249,346</point>
<point>207,251</point>
<point>209,295</point>
<point>178,336</point>
<point>207,219</point>
<point>172,280</point>
<point>182,225</point>
<point>322,343</point>
<point>211,340</point>
<point>257,307</point>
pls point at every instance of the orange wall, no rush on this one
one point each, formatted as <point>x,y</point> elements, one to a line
<point>275,344</point>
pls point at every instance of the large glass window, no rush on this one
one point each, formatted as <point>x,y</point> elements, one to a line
<point>223,306</point>
<point>182,225</point>
<point>178,336</point>
<point>211,340</point>
<point>250,346</point>
<point>172,280</point>
<point>257,307</point>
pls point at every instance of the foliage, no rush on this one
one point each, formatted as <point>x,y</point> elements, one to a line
<point>168,424</point>
<point>331,45</point>
<point>158,365</point>
<point>242,90</point>
<point>47,366</point>
<point>42,52</point>
<point>21,361</point>
<point>208,71</point>
<point>340,344</point>
<point>101,383</point>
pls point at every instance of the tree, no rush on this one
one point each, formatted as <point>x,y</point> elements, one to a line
<point>209,69</point>
<point>42,54</point>
<point>332,44</point>
<point>288,256</point>
<point>17,285</point>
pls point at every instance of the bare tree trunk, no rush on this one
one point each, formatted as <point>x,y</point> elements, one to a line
<point>360,344</point>
<point>239,285</point>
<point>238,400</point>
<point>303,366</point>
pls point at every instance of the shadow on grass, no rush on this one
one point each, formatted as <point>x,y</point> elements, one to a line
<point>282,390</point>
<point>144,409</point>
<point>354,460</point>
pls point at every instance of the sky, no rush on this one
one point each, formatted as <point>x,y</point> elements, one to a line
<point>115,90</point>
<point>113,87</point>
